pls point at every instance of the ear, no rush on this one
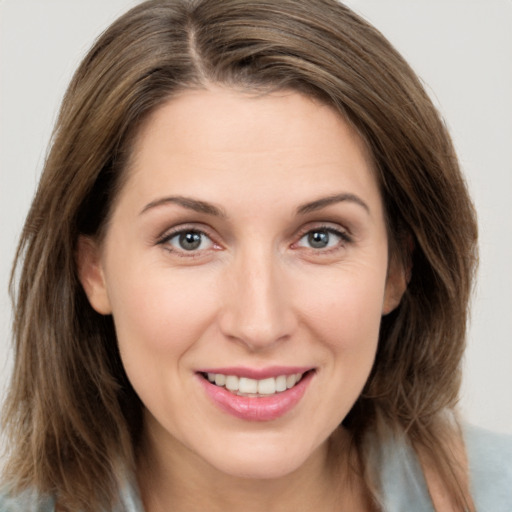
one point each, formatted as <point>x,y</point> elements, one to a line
<point>90,274</point>
<point>396,283</point>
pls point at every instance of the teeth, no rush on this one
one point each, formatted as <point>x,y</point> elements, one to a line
<point>248,385</point>
<point>232,382</point>
<point>267,386</point>
<point>290,381</point>
<point>252,387</point>
<point>281,383</point>
<point>220,379</point>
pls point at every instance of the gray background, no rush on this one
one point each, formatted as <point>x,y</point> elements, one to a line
<point>462,49</point>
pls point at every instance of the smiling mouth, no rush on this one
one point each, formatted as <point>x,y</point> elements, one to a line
<point>254,388</point>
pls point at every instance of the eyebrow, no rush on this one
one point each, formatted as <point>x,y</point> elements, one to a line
<point>210,209</point>
<point>186,202</point>
<point>328,201</point>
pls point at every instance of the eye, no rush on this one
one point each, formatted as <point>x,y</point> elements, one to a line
<point>188,240</point>
<point>322,238</point>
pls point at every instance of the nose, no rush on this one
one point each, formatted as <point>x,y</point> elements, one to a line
<point>257,311</point>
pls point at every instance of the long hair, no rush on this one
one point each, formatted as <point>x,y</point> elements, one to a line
<point>72,418</point>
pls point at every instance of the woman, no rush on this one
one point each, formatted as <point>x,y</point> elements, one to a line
<point>244,277</point>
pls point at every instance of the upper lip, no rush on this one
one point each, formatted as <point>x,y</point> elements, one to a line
<point>257,373</point>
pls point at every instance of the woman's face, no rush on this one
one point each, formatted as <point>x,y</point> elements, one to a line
<point>247,247</point>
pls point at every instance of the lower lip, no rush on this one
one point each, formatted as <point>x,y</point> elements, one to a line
<point>265,408</point>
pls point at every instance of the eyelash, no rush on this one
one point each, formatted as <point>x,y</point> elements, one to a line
<point>168,236</point>
<point>344,237</point>
<point>164,240</point>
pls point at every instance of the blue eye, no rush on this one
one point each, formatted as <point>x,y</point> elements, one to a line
<point>189,240</point>
<point>321,239</point>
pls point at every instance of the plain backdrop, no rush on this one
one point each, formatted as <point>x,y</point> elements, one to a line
<point>462,50</point>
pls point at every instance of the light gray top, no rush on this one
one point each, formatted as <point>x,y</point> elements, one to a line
<point>402,482</point>
<point>490,468</point>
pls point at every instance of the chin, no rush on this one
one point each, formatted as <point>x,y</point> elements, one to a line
<point>263,462</point>
<point>250,470</point>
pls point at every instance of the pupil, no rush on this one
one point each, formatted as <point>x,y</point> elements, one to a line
<point>318,239</point>
<point>190,241</point>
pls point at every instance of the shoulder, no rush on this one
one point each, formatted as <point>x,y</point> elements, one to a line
<point>26,502</point>
<point>490,468</point>
<point>32,502</point>
<point>403,481</point>
<point>400,476</point>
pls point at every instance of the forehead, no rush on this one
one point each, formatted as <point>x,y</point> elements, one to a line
<point>203,140</point>
<point>225,117</point>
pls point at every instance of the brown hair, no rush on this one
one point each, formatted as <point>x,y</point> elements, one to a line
<point>72,417</point>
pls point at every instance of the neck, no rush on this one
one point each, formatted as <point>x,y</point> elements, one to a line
<point>173,478</point>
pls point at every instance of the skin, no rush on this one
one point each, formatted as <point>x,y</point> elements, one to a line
<point>256,293</point>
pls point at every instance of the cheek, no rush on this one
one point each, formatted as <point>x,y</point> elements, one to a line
<point>342,313</point>
<point>344,307</point>
<point>158,319</point>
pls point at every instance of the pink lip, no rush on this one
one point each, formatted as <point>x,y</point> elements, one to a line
<point>264,408</point>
